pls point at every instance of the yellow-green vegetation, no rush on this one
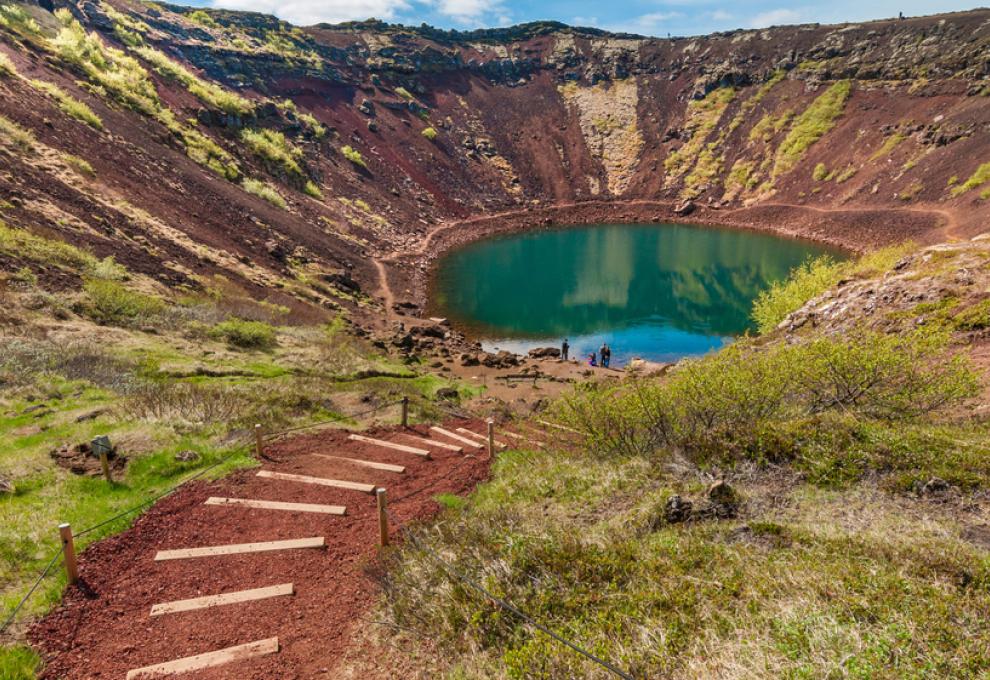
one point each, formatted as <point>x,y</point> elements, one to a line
<point>888,145</point>
<point>816,276</point>
<point>245,334</point>
<point>7,67</point>
<point>126,27</point>
<point>820,173</point>
<point>706,168</point>
<point>113,303</point>
<point>813,124</point>
<point>740,178</point>
<point>273,147</point>
<point>24,245</point>
<point>14,135</point>
<point>769,125</point>
<point>14,18</point>
<point>354,156</point>
<point>202,18</point>
<point>311,189</point>
<point>78,164</point>
<point>980,177</point>
<point>404,93</point>
<point>319,130</point>
<point>702,117</point>
<point>751,103</point>
<point>430,133</point>
<point>796,587</point>
<point>122,78</point>
<point>911,191</point>
<point>207,92</point>
<point>265,191</point>
<point>847,173</point>
<point>68,104</point>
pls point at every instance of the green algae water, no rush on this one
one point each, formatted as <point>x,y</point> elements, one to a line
<point>657,292</point>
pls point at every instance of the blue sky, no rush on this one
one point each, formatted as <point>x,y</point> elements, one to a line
<point>649,17</point>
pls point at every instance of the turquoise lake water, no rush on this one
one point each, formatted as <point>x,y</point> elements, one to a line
<point>659,292</point>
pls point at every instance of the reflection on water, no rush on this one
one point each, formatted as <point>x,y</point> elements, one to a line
<point>656,291</point>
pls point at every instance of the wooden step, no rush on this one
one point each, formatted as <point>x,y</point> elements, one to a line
<point>207,660</point>
<point>277,505</point>
<point>387,467</point>
<point>321,481</point>
<point>457,437</point>
<point>555,426</point>
<point>239,548</point>
<point>433,442</point>
<point>527,440</point>
<point>482,437</point>
<point>208,601</point>
<point>390,445</point>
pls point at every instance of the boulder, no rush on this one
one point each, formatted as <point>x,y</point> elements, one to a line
<point>685,208</point>
<point>447,394</point>
<point>545,353</point>
<point>723,501</point>
<point>468,359</point>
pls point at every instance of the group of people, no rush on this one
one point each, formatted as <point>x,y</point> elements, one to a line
<point>604,353</point>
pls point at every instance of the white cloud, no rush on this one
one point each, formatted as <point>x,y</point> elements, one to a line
<point>776,17</point>
<point>307,12</point>
<point>584,21</point>
<point>470,11</point>
<point>648,24</point>
<point>719,15</point>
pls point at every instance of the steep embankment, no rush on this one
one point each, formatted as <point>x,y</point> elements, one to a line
<point>291,160</point>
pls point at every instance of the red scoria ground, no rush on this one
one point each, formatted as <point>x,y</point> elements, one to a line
<point>103,629</point>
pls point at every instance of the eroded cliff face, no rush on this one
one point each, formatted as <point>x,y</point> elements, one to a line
<point>288,159</point>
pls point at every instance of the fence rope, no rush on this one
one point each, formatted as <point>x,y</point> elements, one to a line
<point>505,604</point>
<point>13,614</point>
<point>343,416</point>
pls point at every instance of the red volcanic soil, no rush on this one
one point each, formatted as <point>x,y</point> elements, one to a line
<point>103,628</point>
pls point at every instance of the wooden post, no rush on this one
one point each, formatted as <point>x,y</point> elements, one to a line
<point>491,438</point>
<point>382,517</point>
<point>105,463</point>
<point>69,553</point>
<point>405,411</point>
<point>259,444</point>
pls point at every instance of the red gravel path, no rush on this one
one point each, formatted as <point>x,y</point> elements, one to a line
<point>104,629</point>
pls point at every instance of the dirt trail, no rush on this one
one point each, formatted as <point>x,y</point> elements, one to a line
<point>103,629</point>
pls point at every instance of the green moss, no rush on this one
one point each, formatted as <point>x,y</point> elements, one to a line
<point>820,172</point>
<point>112,303</point>
<point>245,334</point>
<point>430,133</point>
<point>404,93</point>
<point>888,145</point>
<point>701,118</point>
<point>14,135</point>
<point>310,189</point>
<point>980,177</point>
<point>202,18</point>
<point>813,124</point>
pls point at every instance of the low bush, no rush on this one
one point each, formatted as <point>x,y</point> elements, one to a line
<point>979,177</point>
<point>202,18</point>
<point>7,67</point>
<point>16,136</point>
<point>354,156</point>
<point>820,172</point>
<point>112,303</point>
<point>245,334</point>
<point>78,164</point>
<point>310,189</point>
<point>430,133</point>
<point>721,406</point>
<point>265,191</point>
<point>813,278</point>
<point>207,92</point>
<point>274,148</point>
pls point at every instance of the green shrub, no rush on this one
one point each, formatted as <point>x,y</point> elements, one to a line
<point>113,303</point>
<point>69,105</point>
<point>430,133</point>
<point>404,93</point>
<point>310,189</point>
<point>202,18</point>
<point>265,191</point>
<point>702,117</point>
<point>354,156</point>
<point>816,121</point>
<point>820,172</point>
<point>973,318</point>
<point>13,17</point>
<point>275,148</point>
<point>245,334</point>
<point>319,130</point>
<point>813,278</point>
<point>721,406</point>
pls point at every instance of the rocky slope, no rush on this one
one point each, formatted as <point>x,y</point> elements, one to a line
<point>293,161</point>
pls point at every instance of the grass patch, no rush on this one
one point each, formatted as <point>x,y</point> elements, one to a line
<point>701,118</point>
<point>16,136</point>
<point>202,18</point>
<point>354,156</point>
<point>7,67</point>
<point>820,173</point>
<point>813,124</point>
<point>245,334</point>
<point>310,189</point>
<point>888,145</point>
<point>265,191</point>
<point>80,165</point>
<point>980,177</point>
<point>68,104</point>
<point>430,133</point>
<point>112,303</point>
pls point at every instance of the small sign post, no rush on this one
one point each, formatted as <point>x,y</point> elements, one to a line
<point>102,448</point>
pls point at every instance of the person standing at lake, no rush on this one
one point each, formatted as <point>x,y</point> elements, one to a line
<point>606,355</point>
<point>565,347</point>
